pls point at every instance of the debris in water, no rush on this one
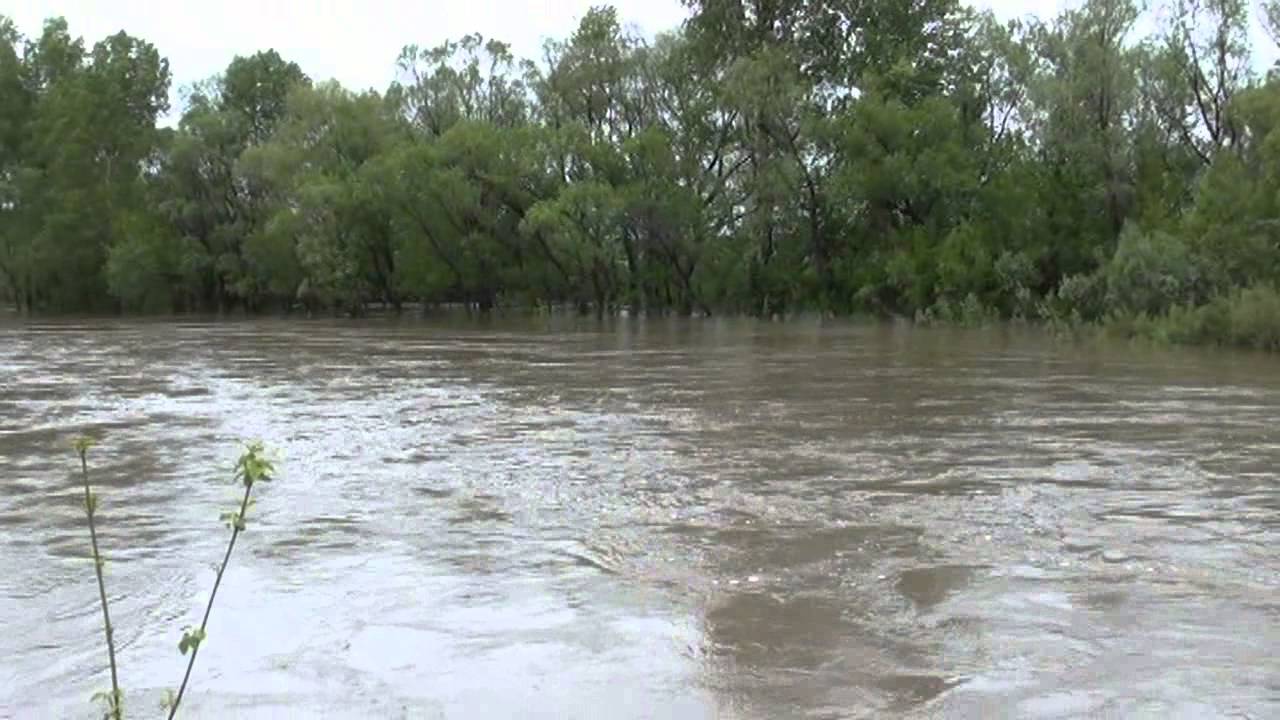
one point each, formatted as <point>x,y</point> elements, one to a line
<point>1114,556</point>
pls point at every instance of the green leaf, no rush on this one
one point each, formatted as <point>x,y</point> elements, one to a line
<point>112,700</point>
<point>191,639</point>
<point>253,466</point>
<point>233,520</point>
<point>83,443</point>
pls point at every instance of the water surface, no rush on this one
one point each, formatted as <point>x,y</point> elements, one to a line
<point>677,519</point>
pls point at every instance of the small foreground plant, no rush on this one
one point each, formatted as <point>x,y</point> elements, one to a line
<point>252,468</point>
<point>114,700</point>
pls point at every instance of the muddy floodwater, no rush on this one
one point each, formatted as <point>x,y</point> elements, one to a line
<point>643,519</point>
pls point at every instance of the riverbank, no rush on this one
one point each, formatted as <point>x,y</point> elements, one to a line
<point>1248,319</point>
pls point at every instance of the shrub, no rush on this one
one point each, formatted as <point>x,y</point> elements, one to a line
<point>1254,318</point>
<point>1016,275</point>
<point>1247,318</point>
<point>1150,273</point>
<point>1076,299</point>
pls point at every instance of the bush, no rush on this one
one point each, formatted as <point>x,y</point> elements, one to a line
<point>1150,273</point>
<point>963,265</point>
<point>1016,274</point>
<point>969,312</point>
<point>1182,325</point>
<point>1076,299</point>
<point>143,268</point>
<point>1247,318</point>
<point>1254,315</point>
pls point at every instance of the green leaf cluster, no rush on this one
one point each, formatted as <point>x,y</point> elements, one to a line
<point>112,703</point>
<point>191,639</point>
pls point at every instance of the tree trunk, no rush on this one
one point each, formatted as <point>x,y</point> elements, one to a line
<point>819,246</point>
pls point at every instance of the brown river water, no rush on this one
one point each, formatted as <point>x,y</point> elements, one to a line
<point>645,519</point>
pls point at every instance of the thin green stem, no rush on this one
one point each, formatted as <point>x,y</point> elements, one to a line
<point>90,507</point>
<point>235,533</point>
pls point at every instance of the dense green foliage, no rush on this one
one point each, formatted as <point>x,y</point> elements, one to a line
<point>888,157</point>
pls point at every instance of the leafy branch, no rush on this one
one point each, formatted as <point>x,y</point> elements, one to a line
<point>252,467</point>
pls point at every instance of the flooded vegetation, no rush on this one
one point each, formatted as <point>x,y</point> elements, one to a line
<point>687,519</point>
<point>1105,163</point>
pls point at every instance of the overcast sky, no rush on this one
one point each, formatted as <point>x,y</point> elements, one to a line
<point>356,42</point>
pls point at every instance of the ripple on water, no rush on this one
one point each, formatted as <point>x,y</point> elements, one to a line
<point>673,519</point>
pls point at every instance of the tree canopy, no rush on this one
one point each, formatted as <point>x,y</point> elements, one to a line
<point>912,158</point>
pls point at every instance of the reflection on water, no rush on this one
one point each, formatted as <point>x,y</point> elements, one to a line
<point>645,519</point>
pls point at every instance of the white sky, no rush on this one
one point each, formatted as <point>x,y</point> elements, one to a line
<point>357,42</point>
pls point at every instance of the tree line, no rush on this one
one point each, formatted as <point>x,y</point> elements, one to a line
<point>888,157</point>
